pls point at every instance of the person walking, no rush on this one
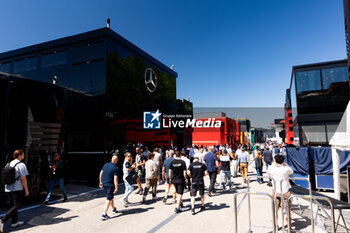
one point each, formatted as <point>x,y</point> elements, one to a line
<point>197,171</point>
<point>225,160</point>
<point>243,159</point>
<point>166,178</point>
<point>109,183</point>
<point>158,160</point>
<point>267,155</point>
<point>185,158</point>
<point>57,177</point>
<point>178,177</point>
<point>259,166</point>
<point>16,191</point>
<point>151,177</point>
<point>212,163</point>
<point>127,168</point>
<point>140,165</point>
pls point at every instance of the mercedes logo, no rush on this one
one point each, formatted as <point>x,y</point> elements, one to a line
<point>150,80</point>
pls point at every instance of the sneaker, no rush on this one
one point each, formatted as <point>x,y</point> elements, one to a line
<point>104,217</point>
<point>202,208</point>
<point>123,202</point>
<point>164,200</point>
<point>182,205</point>
<point>173,201</point>
<point>115,211</point>
<point>210,194</point>
<point>65,199</point>
<point>154,198</point>
<point>141,192</point>
<point>1,226</point>
<point>192,211</point>
<point>45,202</point>
<point>177,210</point>
<point>17,224</point>
<point>214,192</point>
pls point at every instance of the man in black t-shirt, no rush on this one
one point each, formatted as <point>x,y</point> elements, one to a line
<point>197,171</point>
<point>178,177</point>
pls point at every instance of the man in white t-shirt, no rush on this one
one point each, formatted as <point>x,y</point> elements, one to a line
<point>280,171</point>
<point>16,191</point>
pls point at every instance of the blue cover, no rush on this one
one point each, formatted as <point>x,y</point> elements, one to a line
<point>297,159</point>
<point>322,157</point>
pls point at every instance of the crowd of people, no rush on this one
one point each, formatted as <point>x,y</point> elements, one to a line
<point>177,169</point>
<point>185,169</point>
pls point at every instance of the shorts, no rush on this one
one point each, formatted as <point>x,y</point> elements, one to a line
<point>179,188</point>
<point>197,187</point>
<point>109,192</point>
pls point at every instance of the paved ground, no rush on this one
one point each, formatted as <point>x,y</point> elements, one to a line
<point>82,214</point>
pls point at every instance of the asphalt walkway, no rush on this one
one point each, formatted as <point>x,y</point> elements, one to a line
<point>82,213</point>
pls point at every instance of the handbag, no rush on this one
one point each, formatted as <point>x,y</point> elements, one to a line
<point>132,177</point>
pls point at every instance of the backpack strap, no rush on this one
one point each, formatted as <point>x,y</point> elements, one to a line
<point>14,167</point>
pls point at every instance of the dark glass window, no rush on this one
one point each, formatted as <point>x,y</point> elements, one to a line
<point>89,77</point>
<point>19,66</point>
<point>31,63</point>
<point>47,60</point>
<point>334,76</point>
<point>5,67</point>
<point>61,58</point>
<point>54,59</point>
<point>307,81</point>
<point>290,115</point>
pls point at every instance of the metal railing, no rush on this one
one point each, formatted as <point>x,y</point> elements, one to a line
<point>290,199</point>
<point>248,193</point>
<point>309,196</point>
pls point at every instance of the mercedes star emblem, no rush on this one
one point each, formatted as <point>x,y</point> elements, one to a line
<point>150,80</point>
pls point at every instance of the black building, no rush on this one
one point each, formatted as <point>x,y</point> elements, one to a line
<point>107,84</point>
<point>320,94</point>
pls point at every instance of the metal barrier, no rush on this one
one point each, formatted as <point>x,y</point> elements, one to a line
<point>274,196</point>
<point>311,198</point>
<point>283,202</point>
<point>248,193</point>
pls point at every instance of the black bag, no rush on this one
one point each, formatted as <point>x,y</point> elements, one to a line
<point>132,177</point>
<point>8,174</point>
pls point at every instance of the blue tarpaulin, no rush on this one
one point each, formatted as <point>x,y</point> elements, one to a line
<point>297,159</point>
<point>322,157</point>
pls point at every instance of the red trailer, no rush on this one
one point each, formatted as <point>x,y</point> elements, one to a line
<point>213,136</point>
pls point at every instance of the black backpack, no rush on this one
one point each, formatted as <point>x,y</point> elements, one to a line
<point>8,174</point>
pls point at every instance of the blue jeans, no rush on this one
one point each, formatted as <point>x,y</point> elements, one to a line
<point>259,173</point>
<point>53,182</point>
<point>128,188</point>
<point>228,175</point>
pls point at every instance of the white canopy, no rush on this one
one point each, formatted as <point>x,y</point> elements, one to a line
<point>340,141</point>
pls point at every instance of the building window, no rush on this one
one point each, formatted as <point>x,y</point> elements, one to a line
<point>334,77</point>
<point>308,81</point>
<point>54,59</point>
<point>5,67</point>
<point>31,63</point>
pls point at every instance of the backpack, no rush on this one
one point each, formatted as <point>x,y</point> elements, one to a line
<point>8,174</point>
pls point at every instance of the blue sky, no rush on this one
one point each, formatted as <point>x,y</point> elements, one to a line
<point>236,53</point>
